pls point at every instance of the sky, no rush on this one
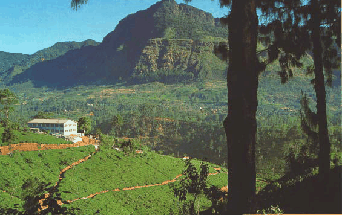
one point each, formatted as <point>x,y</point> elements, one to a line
<point>28,26</point>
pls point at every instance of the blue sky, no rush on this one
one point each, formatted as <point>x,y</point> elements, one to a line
<point>28,26</point>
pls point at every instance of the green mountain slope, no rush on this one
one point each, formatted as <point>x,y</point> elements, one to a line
<point>102,183</point>
<point>15,64</point>
<point>167,42</point>
<point>121,50</point>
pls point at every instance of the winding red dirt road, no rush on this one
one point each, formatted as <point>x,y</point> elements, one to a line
<point>59,202</point>
<point>87,141</point>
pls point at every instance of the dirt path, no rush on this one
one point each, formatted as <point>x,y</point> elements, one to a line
<point>85,141</point>
<point>60,179</point>
<point>59,202</point>
<point>36,146</point>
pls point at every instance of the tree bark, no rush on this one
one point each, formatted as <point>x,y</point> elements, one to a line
<point>323,137</point>
<point>240,124</point>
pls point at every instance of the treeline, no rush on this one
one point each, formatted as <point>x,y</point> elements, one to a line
<point>164,76</point>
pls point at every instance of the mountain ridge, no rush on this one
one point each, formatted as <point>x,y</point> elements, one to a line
<point>105,60</point>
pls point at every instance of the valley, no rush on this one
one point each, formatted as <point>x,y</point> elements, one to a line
<point>153,93</point>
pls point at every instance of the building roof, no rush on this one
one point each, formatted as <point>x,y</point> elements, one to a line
<point>56,121</point>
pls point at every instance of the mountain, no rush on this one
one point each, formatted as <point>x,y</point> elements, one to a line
<point>10,59</point>
<point>15,64</point>
<point>165,40</point>
<point>123,50</point>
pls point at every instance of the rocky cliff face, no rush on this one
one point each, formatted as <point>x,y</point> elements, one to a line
<point>166,35</point>
<point>180,54</point>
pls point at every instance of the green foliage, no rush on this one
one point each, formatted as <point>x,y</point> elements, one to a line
<point>187,22</point>
<point>112,169</point>
<point>44,115</point>
<point>34,171</point>
<point>9,135</point>
<point>33,190</point>
<point>107,141</point>
<point>165,76</point>
<point>84,123</point>
<point>117,122</point>
<point>272,210</point>
<point>196,185</point>
<point>29,137</point>
<point>7,100</point>
<point>169,33</point>
<point>77,3</point>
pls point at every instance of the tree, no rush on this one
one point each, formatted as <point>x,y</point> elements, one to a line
<point>117,122</point>
<point>7,99</point>
<point>324,29</point>
<point>242,82</point>
<point>195,184</point>
<point>84,123</point>
<point>34,190</point>
<point>9,134</point>
<point>77,3</point>
<point>316,28</point>
<point>240,124</point>
<point>319,86</point>
<point>43,115</point>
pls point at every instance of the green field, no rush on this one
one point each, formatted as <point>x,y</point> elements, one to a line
<point>108,169</point>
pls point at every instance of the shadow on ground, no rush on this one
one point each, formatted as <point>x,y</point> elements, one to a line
<point>304,196</point>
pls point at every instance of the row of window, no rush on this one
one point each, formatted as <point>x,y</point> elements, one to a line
<point>57,130</point>
<point>70,130</point>
<point>44,125</point>
<point>48,125</point>
<point>54,130</point>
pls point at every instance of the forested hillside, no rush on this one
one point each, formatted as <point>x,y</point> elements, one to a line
<point>121,50</point>
<point>15,64</point>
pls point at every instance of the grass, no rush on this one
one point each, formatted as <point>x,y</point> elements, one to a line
<point>151,200</point>
<point>45,164</point>
<point>111,169</point>
<point>30,137</point>
<point>176,101</point>
<point>108,169</point>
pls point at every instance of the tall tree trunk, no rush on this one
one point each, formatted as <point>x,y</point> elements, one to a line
<point>240,124</point>
<point>324,144</point>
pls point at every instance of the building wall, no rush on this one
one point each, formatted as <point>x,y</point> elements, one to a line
<point>53,128</point>
<point>70,127</point>
<point>67,128</point>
